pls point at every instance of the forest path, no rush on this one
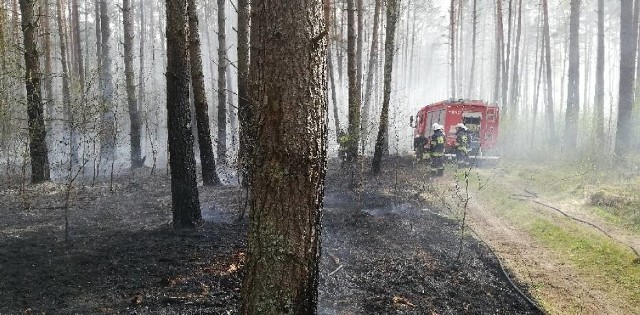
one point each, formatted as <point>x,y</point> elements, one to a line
<point>560,285</point>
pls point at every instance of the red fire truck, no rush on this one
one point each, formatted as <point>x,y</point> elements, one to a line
<point>481,118</point>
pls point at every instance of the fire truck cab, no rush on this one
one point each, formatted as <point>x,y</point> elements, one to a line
<point>481,118</point>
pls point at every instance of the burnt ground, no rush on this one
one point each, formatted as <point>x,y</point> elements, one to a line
<point>384,251</point>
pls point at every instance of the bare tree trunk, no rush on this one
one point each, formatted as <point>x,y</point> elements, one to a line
<point>452,46</point>
<point>78,64</point>
<point>598,102</point>
<point>141,68</point>
<point>134,112</point>
<point>184,191</point>
<point>108,129</point>
<point>354,88</point>
<point>515,77</point>
<point>507,63</point>
<point>98,40</point>
<point>244,105</point>
<point>209,175</point>
<point>573,88</point>
<point>498,50</point>
<point>359,46</point>
<point>69,121</point>
<point>222,83</point>
<point>336,116</point>
<point>547,46</point>
<point>389,48</point>
<point>371,70</point>
<point>474,24</point>
<point>37,133</point>
<point>627,72</point>
<point>288,85</point>
<point>48,67</point>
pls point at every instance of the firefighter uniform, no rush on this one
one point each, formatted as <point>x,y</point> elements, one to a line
<point>436,150</point>
<point>462,146</point>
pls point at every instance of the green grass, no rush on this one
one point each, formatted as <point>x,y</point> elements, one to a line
<point>599,259</point>
<point>612,194</point>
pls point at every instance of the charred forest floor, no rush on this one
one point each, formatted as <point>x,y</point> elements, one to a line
<point>384,250</point>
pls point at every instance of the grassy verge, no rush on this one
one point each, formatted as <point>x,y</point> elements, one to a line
<point>614,195</point>
<point>602,262</point>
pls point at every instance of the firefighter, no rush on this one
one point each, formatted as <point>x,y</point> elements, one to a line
<point>462,145</point>
<point>436,150</point>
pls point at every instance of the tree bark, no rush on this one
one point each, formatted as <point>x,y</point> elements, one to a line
<point>68,119</point>
<point>288,86</point>
<point>98,40</point>
<point>507,63</point>
<point>141,68</point>
<point>515,77</point>
<point>78,64</point>
<point>38,152</point>
<point>184,191</point>
<point>371,70</point>
<point>627,72</point>
<point>573,87</point>
<point>222,83</point>
<point>108,128</point>
<point>354,88</point>
<point>134,112</point>
<point>452,47</point>
<point>474,37</point>
<point>48,66</point>
<point>207,159</point>
<point>244,105</point>
<point>598,103</point>
<point>547,46</point>
<point>336,116</point>
<point>498,50</point>
<point>389,49</point>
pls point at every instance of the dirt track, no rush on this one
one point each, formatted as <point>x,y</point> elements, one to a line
<point>564,288</point>
<point>397,256</point>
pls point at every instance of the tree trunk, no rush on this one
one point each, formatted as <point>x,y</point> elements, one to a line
<point>507,63</point>
<point>359,46</point>
<point>48,66</point>
<point>222,83</point>
<point>573,87</point>
<point>78,64</point>
<point>354,88</point>
<point>68,120</point>
<point>498,50</point>
<point>371,70</point>
<point>38,152</point>
<point>515,79</point>
<point>244,104</point>
<point>389,49</point>
<point>627,72</point>
<point>547,46</point>
<point>288,84</point>
<point>184,190</point>
<point>331,74</point>
<point>598,103</point>
<point>452,47</point>
<point>474,25</point>
<point>98,40</point>
<point>108,130</point>
<point>141,68</point>
<point>207,159</point>
<point>134,112</point>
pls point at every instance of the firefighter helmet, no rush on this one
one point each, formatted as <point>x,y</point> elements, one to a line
<point>436,126</point>
<point>461,125</point>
